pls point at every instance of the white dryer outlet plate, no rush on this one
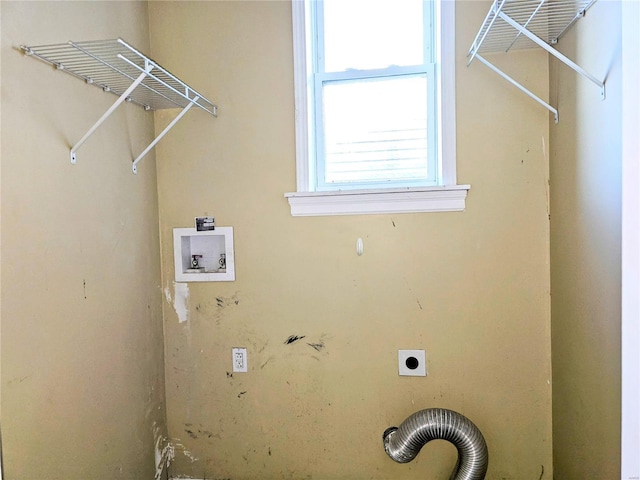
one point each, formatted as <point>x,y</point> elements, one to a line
<point>412,363</point>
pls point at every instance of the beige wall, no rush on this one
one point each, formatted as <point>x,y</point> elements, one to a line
<point>82,353</point>
<point>471,288</point>
<point>585,250</point>
<point>82,377</point>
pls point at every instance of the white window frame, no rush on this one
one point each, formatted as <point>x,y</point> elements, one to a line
<point>447,196</point>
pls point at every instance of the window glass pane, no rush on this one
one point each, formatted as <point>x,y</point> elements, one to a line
<point>369,34</point>
<point>376,130</point>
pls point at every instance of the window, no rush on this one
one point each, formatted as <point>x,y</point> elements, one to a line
<point>375,113</point>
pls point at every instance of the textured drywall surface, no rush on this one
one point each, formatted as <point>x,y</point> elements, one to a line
<point>586,164</point>
<point>470,288</point>
<point>82,351</point>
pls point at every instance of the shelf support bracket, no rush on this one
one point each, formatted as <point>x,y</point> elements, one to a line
<point>519,86</point>
<point>553,52</point>
<point>163,133</point>
<point>122,98</point>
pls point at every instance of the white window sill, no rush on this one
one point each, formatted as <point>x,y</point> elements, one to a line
<point>358,202</point>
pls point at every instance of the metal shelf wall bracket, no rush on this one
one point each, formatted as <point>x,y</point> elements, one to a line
<point>117,67</point>
<point>519,24</point>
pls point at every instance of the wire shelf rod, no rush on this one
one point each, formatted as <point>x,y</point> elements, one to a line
<point>519,24</point>
<point>118,68</point>
<point>548,19</point>
<point>121,72</point>
<point>156,91</point>
<point>93,62</point>
<point>116,82</point>
<point>482,35</point>
<point>563,58</point>
<point>577,17</point>
<point>178,81</point>
<point>520,87</point>
<point>106,115</point>
<point>134,166</point>
<point>526,24</point>
<point>172,89</point>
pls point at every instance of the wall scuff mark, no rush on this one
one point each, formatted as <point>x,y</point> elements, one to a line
<point>293,339</point>
<point>180,302</point>
<point>164,452</point>
<point>222,304</point>
<point>165,457</point>
<point>316,346</point>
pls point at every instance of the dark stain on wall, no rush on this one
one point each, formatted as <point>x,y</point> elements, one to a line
<point>293,339</point>
<point>316,346</point>
<point>191,431</point>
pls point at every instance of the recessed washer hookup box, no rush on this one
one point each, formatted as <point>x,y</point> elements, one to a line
<point>204,224</point>
<point>203,256</point>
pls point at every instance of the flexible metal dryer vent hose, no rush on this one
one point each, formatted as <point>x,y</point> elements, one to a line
<point>403,443</point>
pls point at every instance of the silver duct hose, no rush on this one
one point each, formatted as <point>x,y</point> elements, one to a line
<point>403,443</point>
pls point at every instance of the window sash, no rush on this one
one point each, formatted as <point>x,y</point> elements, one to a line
<point>431,173</point>
<point>315,11</point>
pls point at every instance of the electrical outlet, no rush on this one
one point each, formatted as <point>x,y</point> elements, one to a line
<point>412,363</point>
<point>239,359</point>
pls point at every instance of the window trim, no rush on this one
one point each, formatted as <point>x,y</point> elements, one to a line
<point>446,197</point>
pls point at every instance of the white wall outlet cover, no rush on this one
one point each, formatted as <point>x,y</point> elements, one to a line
<point>412,363</point>
<point>239,359</point>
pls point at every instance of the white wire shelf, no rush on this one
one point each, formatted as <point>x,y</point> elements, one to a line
<point>118,68</point>
<point>521,24</point>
